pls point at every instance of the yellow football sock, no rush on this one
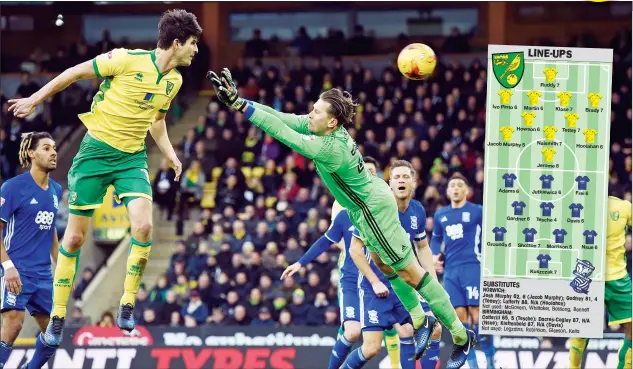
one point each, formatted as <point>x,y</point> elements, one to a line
<point>65,272</point>
<point>136,262</point>
<point>576,352</point>
<point>392,343</point>
<point>624,355</point>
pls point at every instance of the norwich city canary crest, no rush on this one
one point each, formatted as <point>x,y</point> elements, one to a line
<point>170,86</point>
<point>508,68</point>
<point>615,215</point>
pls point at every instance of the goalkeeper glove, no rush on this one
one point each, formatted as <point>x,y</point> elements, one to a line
<point>226,90</point>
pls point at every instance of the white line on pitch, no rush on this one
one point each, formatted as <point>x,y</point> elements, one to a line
<point>546,169</point>
<point>569,63</point>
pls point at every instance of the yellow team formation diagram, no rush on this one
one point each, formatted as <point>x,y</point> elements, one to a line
<point>549,132</point>
<point>571,119</point>
<point>528,118</point>
<point>505,95</point>
<point>590,135</point>
<point>594,99</point>
<point>548,154</point>
<point>506,133</point>
<point>533,96</point>
<point>550,74</point>
<point>564,98</point>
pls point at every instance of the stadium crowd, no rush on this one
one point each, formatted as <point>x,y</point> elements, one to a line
<point>270,205</point>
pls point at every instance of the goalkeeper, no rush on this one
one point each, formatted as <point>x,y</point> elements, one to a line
<point>372,208</point>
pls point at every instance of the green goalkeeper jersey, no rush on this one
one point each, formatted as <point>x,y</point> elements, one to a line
<point>336,157</point>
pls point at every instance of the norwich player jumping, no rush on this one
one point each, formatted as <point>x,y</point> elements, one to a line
<point>372,208</point>
<point>617,294</point>
<point>133,99</point>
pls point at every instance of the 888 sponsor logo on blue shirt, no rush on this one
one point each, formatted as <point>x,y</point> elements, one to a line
<point>455,231</point>
<point>45,219</point>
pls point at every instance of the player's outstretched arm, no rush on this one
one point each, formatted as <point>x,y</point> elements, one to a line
<point>425,256</point>
<point>297,123</point>
<point>360,260</point>
<point>158,130</point>
<point>320,246</point>
<point>25,106</point>
<point>308,146</point>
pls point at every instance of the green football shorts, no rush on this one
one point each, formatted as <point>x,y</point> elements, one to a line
<point>379,227</point>
<point>98,165</point>
<point>617,297</point>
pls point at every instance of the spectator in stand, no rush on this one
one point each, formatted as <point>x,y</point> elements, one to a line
<point>256,47</point>
<point>159,292</point>
<point>266,287</point>
<point>167,309</point>
<point>149,317</point>
<point>187,145</point>
<point>77,318</point>
<point>28,87</point>
<point>270,151</point>
<point>141,302</point>
<point>196,238</point>
<point>218,317</point>
<point>165,190</point>
<point>83,284</point>
<point>293,252</point>
<point>198,262</point>
<point>302,204</point>
<point>182,288</point>
<point>195,309</point>
<point>254,302</point>
<point>331,317</point>
<point>285,319</point>
<point>175,319</point>
<point>318,310</point>
<point>240,317</point>
<point>264,318</point>
<point>231,195</point>
<point>299,308</point>
<point>192,186</point>
<point>107,320</point>
<point>232,168</point>
<point>232,300</point>
<point>242,284</point>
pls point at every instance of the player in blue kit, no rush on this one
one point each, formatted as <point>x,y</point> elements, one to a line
<point>28,208</point>
<point>380,307</point>
<point>458,225</point>
<point>341,229</point>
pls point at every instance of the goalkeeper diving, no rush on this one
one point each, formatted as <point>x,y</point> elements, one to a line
<point>371,206</point>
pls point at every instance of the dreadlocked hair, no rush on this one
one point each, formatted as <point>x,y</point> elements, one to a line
<point>29,142</point>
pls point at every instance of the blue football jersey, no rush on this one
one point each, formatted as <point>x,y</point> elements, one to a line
<point>342,228</point>
<point>460,229</point>
<point>29,212</point>
<point>413,220</point>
